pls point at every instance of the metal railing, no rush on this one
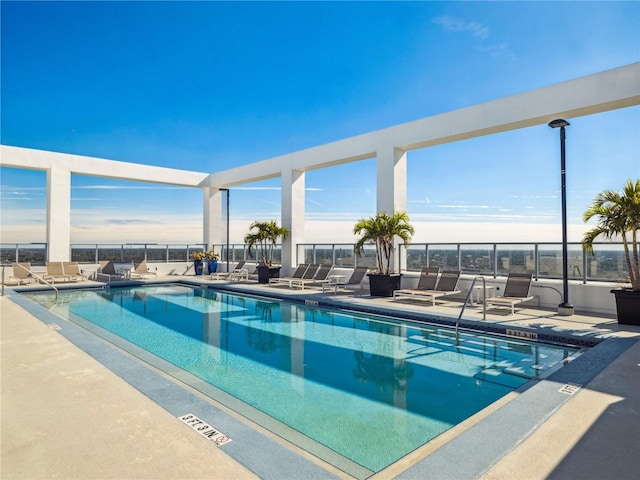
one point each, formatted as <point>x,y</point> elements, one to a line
<point>469,295</point>
<point>541,259</point>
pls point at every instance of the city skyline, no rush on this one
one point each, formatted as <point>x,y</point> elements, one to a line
<point>208,86</point>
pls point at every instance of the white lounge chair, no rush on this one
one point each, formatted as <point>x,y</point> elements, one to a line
<point>107,272</point>
<point>427,282</point>
<point>55,272</point>
<point>357,277</point>
<point>237,270</point>
<point>141,270</point>
<point>516,291</point>
<point>321,276</point>
<point>21,273</point>
<point>447,285</point>
<point>72,270</point>
<point>297,275</point>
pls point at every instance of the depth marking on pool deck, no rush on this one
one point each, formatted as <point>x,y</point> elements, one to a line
<point>205,429</point>
<point>570,388</point>
<point>522,334</point>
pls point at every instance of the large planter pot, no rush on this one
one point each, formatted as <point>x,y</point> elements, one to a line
<point>212,265</point>
<point>197,267</point>
<point>627,305</point>
<point>383,285</point>
<point>265,273</point>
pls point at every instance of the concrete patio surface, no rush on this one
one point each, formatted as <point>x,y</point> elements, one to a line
<point>66,415</point>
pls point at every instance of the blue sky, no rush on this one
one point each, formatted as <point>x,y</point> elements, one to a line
<point>207,86</point>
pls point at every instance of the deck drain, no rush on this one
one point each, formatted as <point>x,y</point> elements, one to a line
<point>205,429</point>
<point>570,388</point>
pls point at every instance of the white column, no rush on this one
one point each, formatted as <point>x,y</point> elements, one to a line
<point>59,212</point>
<point>392,187</point>
<point>214,230</point>
<point>391,180</point>
<point>292,184</point>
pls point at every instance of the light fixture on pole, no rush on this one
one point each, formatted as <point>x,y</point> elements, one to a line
<point>565,308</point>
<point>227,249</point>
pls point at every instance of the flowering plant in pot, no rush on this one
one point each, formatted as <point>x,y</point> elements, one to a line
<point>381,231</point>
<point>198,257</point>
<point>618,217</point>
<point>262,239</point>
<point>212,259</point>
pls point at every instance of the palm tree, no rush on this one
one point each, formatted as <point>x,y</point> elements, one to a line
<point>618,215</point>
<point>381,231</point>
<point>265,235</point>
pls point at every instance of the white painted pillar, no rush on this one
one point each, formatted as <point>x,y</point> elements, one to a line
<point>59,212</point>
<point>214,228</point>
<point>293,185</point>
<point>392,188</point>
<point>391,180</point>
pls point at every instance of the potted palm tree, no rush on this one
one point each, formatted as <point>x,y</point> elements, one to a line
<point>380,231</point>
<point>618,216</point>
<point>263,237</point>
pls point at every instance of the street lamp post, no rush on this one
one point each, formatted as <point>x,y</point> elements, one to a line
<point>227,249</point>
<point>565,308</point>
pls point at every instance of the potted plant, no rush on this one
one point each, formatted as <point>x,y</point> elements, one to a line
<point>263,238</point>
<point>618,216</point>
<point>212,259</point>
<point>381,231</point>
<point>197,258</point>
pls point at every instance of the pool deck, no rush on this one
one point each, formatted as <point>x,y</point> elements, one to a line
<point>68,414</point>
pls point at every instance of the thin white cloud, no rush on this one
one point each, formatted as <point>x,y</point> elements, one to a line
<point>451,24</point>
<point>498,50</point>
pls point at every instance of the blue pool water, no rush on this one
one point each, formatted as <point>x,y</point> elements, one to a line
<point>369,389</point>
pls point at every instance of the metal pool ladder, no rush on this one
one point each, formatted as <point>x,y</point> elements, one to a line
<point>466,300</point>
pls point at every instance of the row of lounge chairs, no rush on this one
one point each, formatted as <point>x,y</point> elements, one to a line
<point>71,272</point>
<point>55,272</point>
<point>432,285</point>
<point>315,275</point>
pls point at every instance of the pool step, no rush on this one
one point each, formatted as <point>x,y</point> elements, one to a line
<point>499,377</point>
<point>534,365</point>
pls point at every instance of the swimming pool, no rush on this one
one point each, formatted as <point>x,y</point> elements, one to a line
<point>362,391</point>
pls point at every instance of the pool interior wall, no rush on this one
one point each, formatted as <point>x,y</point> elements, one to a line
<point>257,451</point>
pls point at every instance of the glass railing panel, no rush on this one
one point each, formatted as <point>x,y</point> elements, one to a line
<point>8,252</point>
<point>416,256</point>
<point>277,255</point>
<point>477,259</point>
<point>157,253</point>
<point>368,258</point>
<point>180,253</point>
<point>344,256</point>
<point>323,255</point>
<point>34,253</point>
<point>83,253</point>
<point>550,261</point>
<point>133,253</point>
<point>515,258</point>
<point>305,255</point>
<point>237,253</point>
<point>110,252</point>
<point>608,263</point>
<point>443,256</point>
